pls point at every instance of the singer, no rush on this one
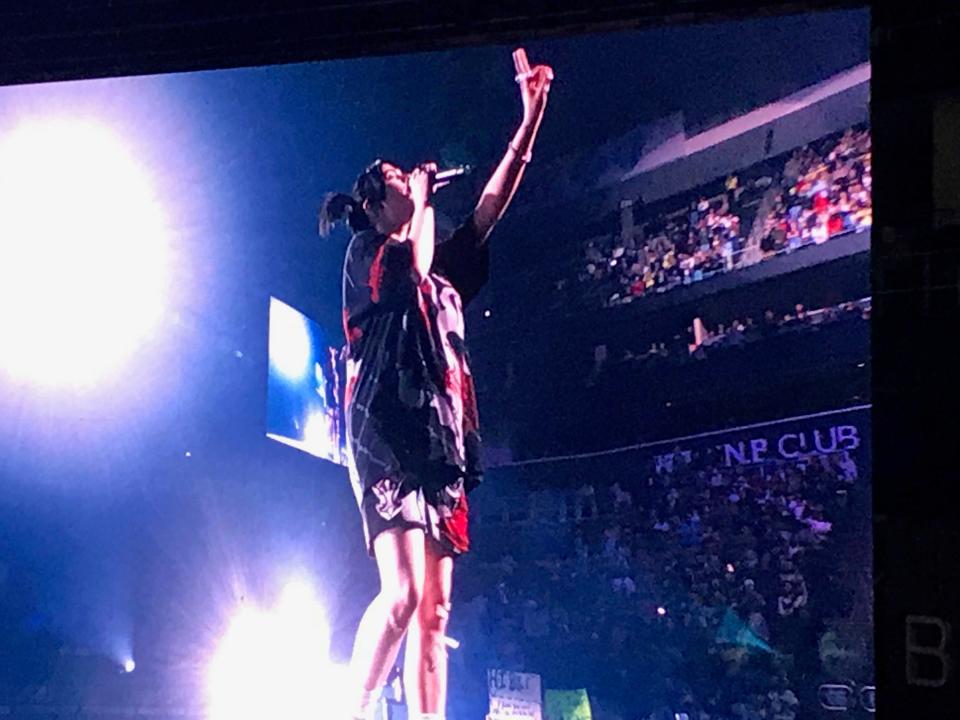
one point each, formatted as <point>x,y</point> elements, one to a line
<point>412,426</point>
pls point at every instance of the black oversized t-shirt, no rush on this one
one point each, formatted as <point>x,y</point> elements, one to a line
<point>410,402</point>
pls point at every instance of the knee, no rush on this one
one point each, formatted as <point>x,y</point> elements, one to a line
<point>435,617</point>
<point>403,603</point>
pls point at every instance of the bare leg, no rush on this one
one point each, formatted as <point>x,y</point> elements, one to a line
<point>400,560</point>
<point>425,661</point>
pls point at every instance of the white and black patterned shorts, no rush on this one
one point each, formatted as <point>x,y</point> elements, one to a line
<point>442,513</point>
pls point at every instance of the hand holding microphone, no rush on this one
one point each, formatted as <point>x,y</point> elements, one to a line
<point>438,178</point>
<point>420,182</point>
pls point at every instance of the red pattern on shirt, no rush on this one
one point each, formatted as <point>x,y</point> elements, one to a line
<point>376,274</point>
<point>353,334</point>
<point>425,292</point>
<point>456,527</point>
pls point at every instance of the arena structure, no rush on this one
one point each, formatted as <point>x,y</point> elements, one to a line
<point>636,300</point>
<point>702,521</point>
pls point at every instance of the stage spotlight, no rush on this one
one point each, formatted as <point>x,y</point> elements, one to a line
<point>129,665</point>
<point>83,253</point>
<point>661,611</point>
<point>290,347</point>
<point>275,663</point>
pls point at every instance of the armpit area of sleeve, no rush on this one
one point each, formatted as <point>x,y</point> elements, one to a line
<point>464,259</point>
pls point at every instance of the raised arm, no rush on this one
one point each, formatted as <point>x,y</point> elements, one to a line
<point>534,87</point>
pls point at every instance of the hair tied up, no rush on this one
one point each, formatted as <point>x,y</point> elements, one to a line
<point>337,207</point>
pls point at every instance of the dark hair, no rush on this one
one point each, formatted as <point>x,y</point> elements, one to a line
<point>369,187</point>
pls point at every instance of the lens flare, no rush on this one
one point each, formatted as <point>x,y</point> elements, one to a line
<point>274,663</point>
<point>83,253</point>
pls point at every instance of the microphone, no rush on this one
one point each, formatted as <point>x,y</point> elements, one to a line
<point>442,178</point>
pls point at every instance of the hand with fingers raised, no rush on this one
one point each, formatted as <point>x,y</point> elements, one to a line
<point>534,85</point>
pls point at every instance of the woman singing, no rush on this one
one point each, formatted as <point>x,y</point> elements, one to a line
<point>412,427</point>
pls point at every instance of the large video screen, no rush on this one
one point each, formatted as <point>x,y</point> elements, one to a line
<point>303,385</point>
<point>514,381</point>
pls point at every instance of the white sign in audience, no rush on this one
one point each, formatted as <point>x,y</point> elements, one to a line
<point>514,695</point>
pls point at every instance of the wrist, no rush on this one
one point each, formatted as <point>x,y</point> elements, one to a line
<point>524,157</point>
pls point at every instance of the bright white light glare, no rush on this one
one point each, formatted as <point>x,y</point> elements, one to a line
<point>289,341</point>
<point>318,435</point>
<point>661,611</point>
<point>83,252</point>
<point>275,664</point>
<point>129,665</point>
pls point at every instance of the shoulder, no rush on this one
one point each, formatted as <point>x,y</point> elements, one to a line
<point>364,238</point>
<point>358,254</point>
<point>363,244</point>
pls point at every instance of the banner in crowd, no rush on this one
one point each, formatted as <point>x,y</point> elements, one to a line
<point>839,432</point>
<point>568,705</point>
<point>514,695</point>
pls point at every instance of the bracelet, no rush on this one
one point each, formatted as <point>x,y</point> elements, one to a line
<point>525,158</point>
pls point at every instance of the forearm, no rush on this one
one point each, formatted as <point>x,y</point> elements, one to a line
<point>422,235</point>
<point>500,189</point>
